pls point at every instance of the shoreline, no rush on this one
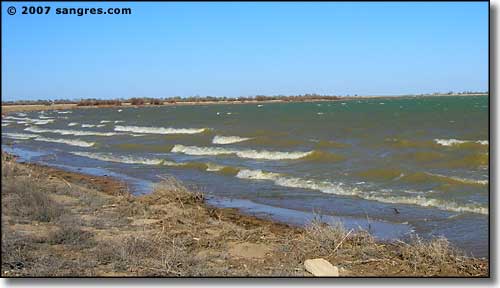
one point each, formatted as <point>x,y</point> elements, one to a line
<point>188,215</point>
<point>27,108</point>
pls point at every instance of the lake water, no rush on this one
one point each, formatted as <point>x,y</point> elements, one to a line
<point>419,162</point>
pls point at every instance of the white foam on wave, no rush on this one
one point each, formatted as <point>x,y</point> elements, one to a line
<point>42,122</point>
<point>341,189</point>
<point>428,202</point>
<point>25,120</point>
<point>159,130</point>
<point>88,125</point>
<point>45,117</point>
<point>451,142</point>
<point>118,121</point>
<point>228,139</point>
<point>252,154</point>
<point>463,180</point>
<point>72,142</point>
<point>69,132</point>
<point>18,118</point>
<point>295,182</point>
<point>5,124</point>
<point>72,124</point>
<point>104,121</point>
<point>120,159</point>
<point>212,167</point>
<point>64,112</point>
<point>19,136</point>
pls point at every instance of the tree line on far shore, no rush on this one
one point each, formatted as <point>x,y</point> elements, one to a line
<point>178,99</point>
<point>198,99</point>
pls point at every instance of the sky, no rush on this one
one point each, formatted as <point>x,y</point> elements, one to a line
<point>166,49</point>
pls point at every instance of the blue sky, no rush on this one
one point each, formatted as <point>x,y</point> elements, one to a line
<point>244,49</point>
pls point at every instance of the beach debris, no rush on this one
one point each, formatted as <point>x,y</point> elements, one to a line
<point>321,268</point>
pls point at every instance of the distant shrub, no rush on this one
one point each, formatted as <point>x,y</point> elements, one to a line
<point>155,101</point>
<point>137,101</point>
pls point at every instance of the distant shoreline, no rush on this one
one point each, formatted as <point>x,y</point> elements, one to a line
<point>38,107</point>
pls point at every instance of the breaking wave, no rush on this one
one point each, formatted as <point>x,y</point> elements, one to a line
<point>19,136</point>
<point>295,182</point>
<point>340,189</point>
<point>25,136</point>
<point>427,202</point>
<point>120,159</point>
<point>72,142</point>
<point>228,139</point>
<point>42,122</point>
<point>159,130</point>
<point>452,142</point>
<point>69,132</point>
<point>426,177</point>
<point>252,154</point>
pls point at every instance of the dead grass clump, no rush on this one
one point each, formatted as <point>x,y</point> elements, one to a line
<point>29,200</point>
<point>15,249</point>
<point>9,167</point>
<point>432,256</point>
<point>149,255</point>
<point>70,233</point>
<point>172,190</point>
<point>323,239</point>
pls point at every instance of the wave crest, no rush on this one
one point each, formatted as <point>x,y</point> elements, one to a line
<point>340,189</point>
<point>119,159</point>
<point>19,136</point>
<point>454,142</point>
<point>252,154</point>
<point>69,132</point>
<point>72,142</point>
<point>228,139</point>
<point>159,130</point>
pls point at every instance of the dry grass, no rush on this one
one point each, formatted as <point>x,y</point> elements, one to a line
<point>51,227</point>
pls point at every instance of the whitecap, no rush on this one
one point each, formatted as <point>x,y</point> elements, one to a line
<point>120,159</point>
<point>159,130</point>
<point>72,142</point>
<point>344,190</point>
<point>452,142</point>
<point>228,139</point>
<point>19,136</point>
<point>252,154</point>
<point>69,132</point>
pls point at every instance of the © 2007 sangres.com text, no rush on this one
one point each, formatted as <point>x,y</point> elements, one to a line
<point>26,10</point>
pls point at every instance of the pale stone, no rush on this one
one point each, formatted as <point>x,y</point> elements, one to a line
<point>321,268</point>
